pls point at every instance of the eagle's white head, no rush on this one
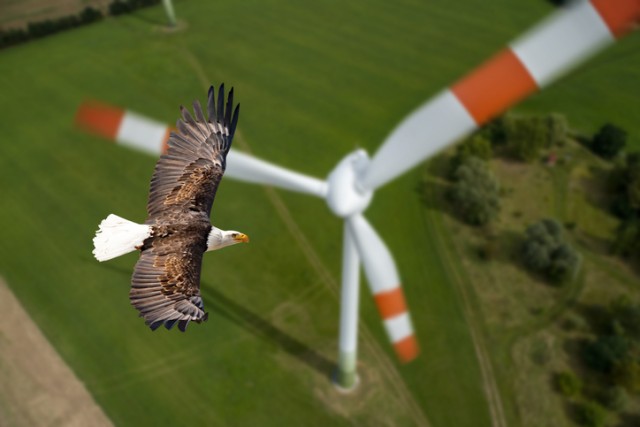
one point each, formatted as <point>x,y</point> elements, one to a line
<point>219,239</point>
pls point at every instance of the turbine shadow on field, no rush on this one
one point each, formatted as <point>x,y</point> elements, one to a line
<point>265,330</point>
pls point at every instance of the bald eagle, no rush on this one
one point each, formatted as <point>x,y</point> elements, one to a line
<point>165,286</point>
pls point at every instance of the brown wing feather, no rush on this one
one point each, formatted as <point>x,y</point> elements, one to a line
<point>187,176</point>
<point>165,287</point>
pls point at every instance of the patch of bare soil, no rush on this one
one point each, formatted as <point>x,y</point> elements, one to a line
<point>18,13</point>
<point>37,388</point>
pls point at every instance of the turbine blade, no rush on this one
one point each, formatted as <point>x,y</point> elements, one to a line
<point>244,167</point>
<point>384,282</point>
<point>141,133</point>
<point>561,42</point>
<point>123,127</point>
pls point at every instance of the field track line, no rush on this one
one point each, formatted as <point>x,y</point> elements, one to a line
<point>486,369</point>
<point>393,376</point>
<point>327,278</point>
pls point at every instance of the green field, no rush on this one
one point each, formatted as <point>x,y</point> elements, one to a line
<point>315,82</point>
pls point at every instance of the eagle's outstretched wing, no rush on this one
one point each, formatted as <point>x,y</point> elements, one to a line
<point>165,287</point>
<point>187,176</point>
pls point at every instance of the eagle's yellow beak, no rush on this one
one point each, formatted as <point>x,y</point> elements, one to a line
<point>241,238</point>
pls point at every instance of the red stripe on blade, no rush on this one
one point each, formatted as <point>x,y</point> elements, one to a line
<point>407,349</point>
<point>619,15</point>
<point>494,86</point>
<point>99,118</point>
<point>391,303</point>
<point>165,141</point>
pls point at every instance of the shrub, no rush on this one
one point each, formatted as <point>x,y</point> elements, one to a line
<point>608,141</point>
<point>526,137</point>
<point>568,384</point>
<point>591,414</point>
<point>476,192</point>
<point>545,251</point>
<point>89,15</point>
<point>615,398</point>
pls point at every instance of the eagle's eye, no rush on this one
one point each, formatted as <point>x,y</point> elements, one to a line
<point>234,235</point>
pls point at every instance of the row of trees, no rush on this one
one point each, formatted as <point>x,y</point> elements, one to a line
<point>524,137</point>
<point>88,15</point>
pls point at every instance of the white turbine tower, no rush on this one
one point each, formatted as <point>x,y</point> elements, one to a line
<point>530,63</point>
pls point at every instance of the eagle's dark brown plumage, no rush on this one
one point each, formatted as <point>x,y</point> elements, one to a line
<point>166,280</point>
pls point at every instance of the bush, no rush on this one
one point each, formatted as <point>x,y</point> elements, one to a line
<point>526,137</point>
<point>13,37</point>
<point>476,192</point>
<point>615,398</point>
<point>591,414</point>
<point>119,7</point>
<point>568,384</point>
<point>477,146</point>
<point>609,141</point>
<point>607,352</point>
<point>89,15</point>
<point>545,251</point>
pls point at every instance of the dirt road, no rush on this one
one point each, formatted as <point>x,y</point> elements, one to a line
<point>37,388</point>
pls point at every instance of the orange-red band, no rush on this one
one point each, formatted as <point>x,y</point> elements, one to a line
<point>407,349</point>
<point>99,118</point>
<point>619,15</point>
<point>165,141</point>
<point>391,303</point>
<point>494,86</point>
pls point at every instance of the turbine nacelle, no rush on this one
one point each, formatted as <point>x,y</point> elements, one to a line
<point>345,196</point>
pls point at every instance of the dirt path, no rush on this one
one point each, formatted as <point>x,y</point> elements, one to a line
<point>37,388</point>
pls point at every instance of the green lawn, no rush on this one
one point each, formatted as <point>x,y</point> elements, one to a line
<point>315,82</point>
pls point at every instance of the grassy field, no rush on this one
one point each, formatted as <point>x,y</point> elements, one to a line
<point>315,82</point>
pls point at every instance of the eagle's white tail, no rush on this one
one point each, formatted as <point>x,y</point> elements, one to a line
<point>117,236</point>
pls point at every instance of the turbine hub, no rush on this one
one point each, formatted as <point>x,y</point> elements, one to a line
<point>345,196</point>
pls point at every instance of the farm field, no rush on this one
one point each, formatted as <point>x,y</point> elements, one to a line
<point>315,82</point>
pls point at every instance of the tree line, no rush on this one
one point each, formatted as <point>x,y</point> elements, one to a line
<point>88,15</point>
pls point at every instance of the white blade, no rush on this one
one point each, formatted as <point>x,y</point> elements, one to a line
<point>123,127</point>
<point>244,167</point>
<point>533,61</point>
<point>384,283</point>
<point>142,133</point>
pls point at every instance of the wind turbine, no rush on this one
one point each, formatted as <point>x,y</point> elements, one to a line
<point>171,15</point>
<point>562,41</point>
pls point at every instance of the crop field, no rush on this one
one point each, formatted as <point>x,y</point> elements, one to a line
<point>315,82</point>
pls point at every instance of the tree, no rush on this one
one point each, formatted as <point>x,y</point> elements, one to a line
<point>591,414</point>
<point>626,373</point>
<point>476,192</point>
<point>626,241</point>
<point>545,251</point>
<point>615,398</point>
<point>526,136</point>
<point>606,352</point>
<point>475,146</point>
<point>608,141</point>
